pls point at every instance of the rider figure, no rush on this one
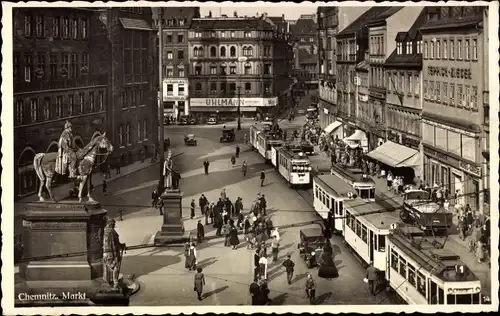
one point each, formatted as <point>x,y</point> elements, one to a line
<point>66,154</point>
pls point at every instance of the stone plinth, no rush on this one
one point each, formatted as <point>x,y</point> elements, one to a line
<point>172,230</point>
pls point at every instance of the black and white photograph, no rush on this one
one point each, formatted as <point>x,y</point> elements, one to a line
<point>196,157</point>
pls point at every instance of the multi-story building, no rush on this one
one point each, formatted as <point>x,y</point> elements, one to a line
<point>352,42</point>
<point>59,74</point>
<point>484,196</point>
<point>305,47</point>
<point>132,120</point>
<point>454,72</point>
<point>237,59</point>
<point>331,20</point>
<point>403,72</point>
<point>176,23</point>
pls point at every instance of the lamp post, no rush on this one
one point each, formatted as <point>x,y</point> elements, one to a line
<point>241,59</point>
<point>160,106</point>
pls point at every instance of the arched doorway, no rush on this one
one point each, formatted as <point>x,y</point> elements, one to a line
<point>53,147</point>
<point>27,178</point>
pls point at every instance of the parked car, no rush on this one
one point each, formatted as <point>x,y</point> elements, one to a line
<point>184,120</point>
<point>212,120</point>
<point>311,245</point>
<point>190,140</point>
<point>193,121</point>
<point>307,148</point>
<point>227,135</point>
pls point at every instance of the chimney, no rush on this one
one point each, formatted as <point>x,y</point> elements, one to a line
<point>283,16</point>
<point>235,14</point>
<point>210,13</point>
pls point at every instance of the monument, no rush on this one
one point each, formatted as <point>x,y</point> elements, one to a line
<point>172,229</point>
<point>66,242</point>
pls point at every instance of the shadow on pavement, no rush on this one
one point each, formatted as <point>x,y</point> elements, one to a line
<point>299,277</point>
<point>279,300</point>
<point>206,262</point>
<point>276,275</point>
<point>142,265</point>
<point>287,246</point>
<point>216,291</point>
<point>323,298</point>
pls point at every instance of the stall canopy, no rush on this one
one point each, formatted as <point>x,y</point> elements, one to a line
<point>395,155</point>
<point>333,126</point>
<point>356,139</point>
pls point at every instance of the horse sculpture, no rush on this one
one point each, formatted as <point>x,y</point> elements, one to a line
<point>44,164</point>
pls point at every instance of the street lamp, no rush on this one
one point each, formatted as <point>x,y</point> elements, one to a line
<point>160,107</point>
<point>241,59</point>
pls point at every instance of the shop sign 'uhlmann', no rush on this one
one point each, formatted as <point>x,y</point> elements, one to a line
<point>224,102</point>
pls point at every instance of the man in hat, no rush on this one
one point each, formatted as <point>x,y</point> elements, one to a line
<point>112,254</point>
<point>66,153</point>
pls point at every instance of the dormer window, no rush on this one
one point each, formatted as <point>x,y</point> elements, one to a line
<point>409,48</point>
<point>399,48</point>
<point>419,47</point>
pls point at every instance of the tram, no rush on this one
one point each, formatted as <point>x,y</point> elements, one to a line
<point>424,274</point>
<point>292,165</point>
<point>262,139</point>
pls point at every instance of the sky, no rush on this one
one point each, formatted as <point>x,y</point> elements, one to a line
<point>292,11</point>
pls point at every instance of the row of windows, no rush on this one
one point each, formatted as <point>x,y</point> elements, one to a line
<point>125,133</point>
<point>404,121</point>
<point>132,97</point>
<point>357,227</point>
<point>321,195</point>
<point>170,38</point>
<point>170,55</point>
<point>135,54</point>
<point>456,48</point>
<point>402,83</point>
<point>247,51</point>
<point>450,141</point>
<point>408,271</point>
<point>169,71</point>
<point>460,96</point>
<point>62,27</point>
<point>302,39</point>
<point>347,49</point>
<point>377,47</point>
<point>407,47</point>
<point>235,34</point>
<point>181,90</point>
<point>67,66</point>
<point>247,70</point>
<point>172,22</point>
<point>377,76</point>
<point>232,87</point>
<point>57,107</point>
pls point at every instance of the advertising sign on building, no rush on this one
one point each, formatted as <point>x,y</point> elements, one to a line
<point>232,102</point>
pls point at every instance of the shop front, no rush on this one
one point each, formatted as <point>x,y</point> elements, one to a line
<point>228,107</point>
<point>327,101</point>
<point>175,97</point>
<point>334,129</point>
<point>377,134</point>
<point>461,178</point>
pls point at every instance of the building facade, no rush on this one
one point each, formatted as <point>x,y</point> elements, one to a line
<point>59,75</point>
<point>176,23</point>
<point>454,72</point>
<point>236,60</point>
<point>132,120</point>
<point>305,48</point>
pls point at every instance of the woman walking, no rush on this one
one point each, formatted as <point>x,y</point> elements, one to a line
<point>233,236</point>
<point>199,282</point>
<point>192,258</point>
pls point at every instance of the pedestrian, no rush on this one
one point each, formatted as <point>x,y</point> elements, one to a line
<point>238,205</point>
<point>154,198</point>
<point>237,154</point>
<point>104,187</point>
<point>289,265</point>
<point>200,232</point>
<point>199,282</point>
<point>206,211</point>
<point>233,159</point>
<point>275,245</point>
<point>226,228</point>
<point>246,138</point>
<point>264,292</point>
<point>254,291</point>
<point>192,208</point>
<point>218,224</point>
<point>223,195</point>
<point>256,265</point>
<point>269,226</point>
<point>160,206</point>
<point>233,237</point>
<point>263,266</point>
<point>480,252</point>
<point>310,289</point>
<point>192,259</point>
<point>244,168</point>
<point>246,225</point>
<point>240,219</point>
<point>118,171</point>
<point>275,234</point>
<point>176,178</point>
<point>262,178</point>
<point>389,180</point>
<point>372,278</point>
<point>225,214</point>
<point>202,201</point>
<point>263,204</point>
<point>462,228</point>
<point>206,164</point>
<point>186,255</point>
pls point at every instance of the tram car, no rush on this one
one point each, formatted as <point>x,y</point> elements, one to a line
<point>429,275</point>
<point>363,184</point>
<point>292,165</point>
<point>263,140</point>
<point>330,193</point>
<point>421,211</point>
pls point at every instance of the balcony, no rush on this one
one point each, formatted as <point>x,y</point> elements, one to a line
<point>41,85</point>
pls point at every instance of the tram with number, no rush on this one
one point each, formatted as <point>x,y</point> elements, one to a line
<point>262,139</point>
<point>292,164</point>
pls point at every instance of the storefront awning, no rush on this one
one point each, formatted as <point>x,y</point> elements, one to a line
<point>222,108</point>
<point>330,128</point>
<point>395,155</point>
<point>357,136</point>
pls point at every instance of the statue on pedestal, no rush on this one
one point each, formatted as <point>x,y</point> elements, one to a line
<point>113,251</point>
<point>78,163</point>
<point>168,168</point>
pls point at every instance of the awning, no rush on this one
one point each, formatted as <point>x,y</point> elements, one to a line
<point>135,24</point>
<point>395,155</point>
<point>333,126</point>
<point>222,108</point>
<point>357,136</point>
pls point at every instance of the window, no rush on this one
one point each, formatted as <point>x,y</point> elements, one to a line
<point>409,84</point>
<point>467,50</point>
<point>213,52</point>
<point>169,38</point>
<point>81,102</point>
<point>459,48</point>
<point>170,89</point>
<point>432,96</point>
<point>100,101</point>
<point>65,29</point>
<point>120,135</point>
<point>364,236</point>
<point>247,51</point>
<point>84,22</point>
<point>59,106</point>
<point>74,29</point>
<point>56,27</point>
<point>232,51</point>
<point>212,34</point>
<point>74,66</point>
<point>452,49</point>
<point>402,267</point>
<point>170,55</point>
<point>421,288</point>
<point>145,129</point>
<point>438,49</point>
<point>381,243</point>
<point>248,69</point>
<point>411,275</point>
<point>248,87</point>
<point>39,26</point>
<point>394,260</point>
<point>445,93</point>
<point>247,34</point>
<point>92,101</point>
<point>223,88</point>
<point>432,50</point>
<point>474,49</point>
<point>213,69</point>
<point>267,87</point>
<point>170,72</point>
<point>467,96</point>
<point>232,70</point>
<point>71,105</point>
<point>40,65</point>
<point>28,67</point>
<point>181,72</point>
<point>223,70</point>
<point>233,34</point>
<point>222,34</point>
<point>426,50</point>
<point>46,109</point>
<point>181,22</point>
<point>197,34</point>
<point>28,25</point>
<point>460,96</point>
<point>223,52</point>
<point>198,87</point>
<point>267,69</point>
<point>452,94</point>
<point>53,66</point>
<point>438,91</point>
<point>19,111</point>
<point>139,130</point>
<point>181,89</point>
<point>232,88</point>
<point>445,49</point>
<point>416,86</point>
<point>127,134</point>
<point>197,70</point>
<point>399,48</point>
<point>213,88</point>
<point>180,38</point>
<point>409,48</point>
<point>426,90</point>
<point>419,47</point>
<point>180,54</point>
<point>34,110</point>
<point>473,98</point>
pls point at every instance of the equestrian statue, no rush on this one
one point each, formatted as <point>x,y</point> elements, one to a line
<point>76,163</point>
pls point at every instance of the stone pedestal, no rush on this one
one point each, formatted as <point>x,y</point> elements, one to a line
<point>172,230</point>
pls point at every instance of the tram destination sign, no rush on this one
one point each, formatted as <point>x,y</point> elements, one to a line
<point>458,73</point>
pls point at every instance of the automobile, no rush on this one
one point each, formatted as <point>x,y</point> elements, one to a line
<point>311,245</point>
<point>193,121</point>
<point>184,120</point>
<point>307,149</point>
<point>190,140</point>
<point>301,111</point>
<point>269,118</point>
<point>212,120</point>
<point>227,135</point>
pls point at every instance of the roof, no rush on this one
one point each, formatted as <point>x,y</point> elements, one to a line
<point>456,19</point>
<point>362,20</point>
<point>393,154</point>
<point>279,21</point>
<point>384,15</point>
<point>177,12</point>
<point>404,60</point>
<point>379,214</point>
<point>135,24</point>
<point>401,36</point>
<point>230,24</point>
<point>334,185</point>
<point>307,58</point>
<point>363,65</point>
<point>304,26</point>
<point>312,232</point>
